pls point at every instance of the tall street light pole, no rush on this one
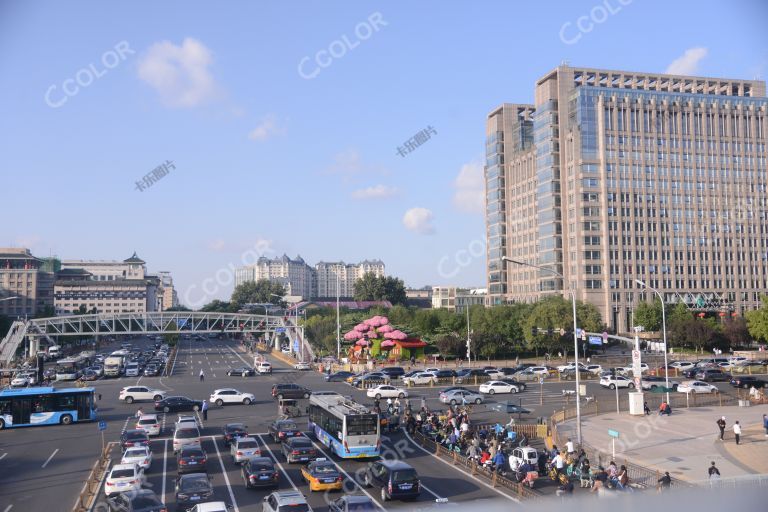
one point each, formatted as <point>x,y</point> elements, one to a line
<point>281,298</point>
<point>469,340</point>
<point>338,315</point>
<point>663,330</point>
<point>575,336</point>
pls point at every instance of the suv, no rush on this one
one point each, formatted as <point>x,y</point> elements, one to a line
<point>713,374</point>
<point>393,372</point>
<point>290,391</point>
<point>230,396</point>
<point>264,367</point>
<point>286,500</point>
<point>395,478</point>
<point>185,437</point>
<point>132,393</point>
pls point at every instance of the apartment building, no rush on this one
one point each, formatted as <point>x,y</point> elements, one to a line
<point>342,276</point>
<point>294,274</point>
<point>26,283</point>
<point>612,176</point>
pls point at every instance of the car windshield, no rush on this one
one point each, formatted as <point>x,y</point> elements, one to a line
<point>261,466</point>
<point>122,473</point>
<point>195,483</point>
<point>145,421</point>
<point>192,452</point>
<point>294,507</point>
<point>325,469</point>
<point>147,501</point>
<point>135,452</point>
<point>404,475</point>
<point>235,427</point>
<point>359,507</point>
<point>287,425</point>
<point>187,433</point>
<point>299,442</point>
<point>248,444</point>
<point>133,436</point>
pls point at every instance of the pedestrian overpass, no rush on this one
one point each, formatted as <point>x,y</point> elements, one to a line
<point>40,330</point>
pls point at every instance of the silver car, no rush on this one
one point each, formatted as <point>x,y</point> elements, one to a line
<point>460,396</point>
<point>243,449</point>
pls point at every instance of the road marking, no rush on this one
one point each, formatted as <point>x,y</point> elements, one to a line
<point>224,472</point>
<point>9,507</point>
<point>165,467</point>
<point>454,467</point>
<point>199,419</point>
<point>349,477</point>
<point>279,464</point>
<point>49,458</point>
<point>3,455</point>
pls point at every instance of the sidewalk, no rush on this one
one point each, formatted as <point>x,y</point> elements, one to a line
<point>684,444</point>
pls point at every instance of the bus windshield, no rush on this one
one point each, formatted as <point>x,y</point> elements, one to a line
<point>362,425</point>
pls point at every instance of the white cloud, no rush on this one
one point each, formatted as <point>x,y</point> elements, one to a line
<point>688,63</point>
<point>470,188</point>
<point>375,192</point>
<point>179,74</point>
<point>266,129</point>
<point>419,220</point>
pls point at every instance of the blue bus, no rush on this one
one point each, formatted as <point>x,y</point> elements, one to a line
<point>30,407</point>
<point>349,429</point>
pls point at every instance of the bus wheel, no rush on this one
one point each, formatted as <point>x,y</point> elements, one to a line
<point>66,419</point>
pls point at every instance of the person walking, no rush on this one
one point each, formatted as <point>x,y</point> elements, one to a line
<point>139,414</point>
<point>737,431</point>
<point>713,471</point>
<point>721,426</point>
<point>202,375</point>
<point>646,409</point>
<point>665,482</point>
<point>205,410</point>
<point>569,447</point>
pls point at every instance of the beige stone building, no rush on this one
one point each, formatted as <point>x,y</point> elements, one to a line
<point>613,176</point>
<point>25,282</point>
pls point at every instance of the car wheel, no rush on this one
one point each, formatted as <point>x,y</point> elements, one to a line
<point>401,395</point>
<point>195,407</point>
<point>612,386</point>
<point>157,398</point>
<point>66,419</point>
<point>246,482</point>
<point>478,401</point>
<point>384,496</point>
<point>491,391</point>
<point>513,390</point>
<point>453,401</point>
<point>306,395</point>
<point>246,401</point>
<point>166,409</point>
<point>378,396</point>
<point>631,385</point>
<point>129,399</point>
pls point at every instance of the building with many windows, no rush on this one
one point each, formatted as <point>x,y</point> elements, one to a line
<point>166,293</point>
<point>342,276</point>
<point>613,176</point>
<point>457,299</point>
<point>26,282</point>
<point>295,275</point>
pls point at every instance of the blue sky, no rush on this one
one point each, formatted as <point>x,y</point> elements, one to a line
<point>272,161</point>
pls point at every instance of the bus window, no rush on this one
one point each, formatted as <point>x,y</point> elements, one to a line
<point>362,425</point>
<point>64,403</point>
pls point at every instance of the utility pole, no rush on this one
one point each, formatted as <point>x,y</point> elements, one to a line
<point>338,316</point>
<point>469,340</point>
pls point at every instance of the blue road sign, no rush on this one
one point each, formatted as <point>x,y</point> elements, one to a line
<point>296,345</point>
<point>280,330</point>
<point>613,433</point>
<point>102,425</point>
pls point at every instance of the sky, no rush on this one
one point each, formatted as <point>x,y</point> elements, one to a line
<point>202,135</point>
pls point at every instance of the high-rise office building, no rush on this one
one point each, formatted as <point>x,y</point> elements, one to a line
<point>614,176</point>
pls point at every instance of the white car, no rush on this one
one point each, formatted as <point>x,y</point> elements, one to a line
<point>124,478</point>
<point>20,381</point>
<point>139,455</point>
<point>244,449</point>
<point>214,506</point>
<point>682,365</point>
<point>696,386</point>
<point>497,386</point>
<point>264,367</point>
<point>302,366</point>
<point>187,436</point>
<point>627,370</point>
<point>570,366</point>
<point>149,424</point>
<point>131,394</point>
<point>522,455</point>
<point>616,382</point>
<point>541,371</point>
<point>386,391</point>
<point>495,373</point>
<point>186,421</point>
<point>594,368</point>
<point>231,396</point>
<point>420,378</point>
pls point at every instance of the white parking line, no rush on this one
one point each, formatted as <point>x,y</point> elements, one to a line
<point>3,455</point>
<point>279,465</point>
<point>224,472</point>
<point>49,458</point>
<point>349,477</point>
<point>9,507</point>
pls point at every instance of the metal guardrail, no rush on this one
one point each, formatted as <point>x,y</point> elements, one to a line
<point>93,482</point>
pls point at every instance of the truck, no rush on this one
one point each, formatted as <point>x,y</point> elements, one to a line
<point>113,366</point>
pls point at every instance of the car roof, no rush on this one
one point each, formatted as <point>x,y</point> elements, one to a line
<point>239,440</point>
<point>288,497</point>
<point>215,391</point>
<point>124,466</point>
<point>395,465</point>
<point>213,506</point>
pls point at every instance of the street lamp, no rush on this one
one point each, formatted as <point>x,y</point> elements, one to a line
<point>279,297</point>
<point>663,330</point>
<point>575,336</point>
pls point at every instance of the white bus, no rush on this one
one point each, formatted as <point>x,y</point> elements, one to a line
<point>71,368</point>
<point>348,428</point>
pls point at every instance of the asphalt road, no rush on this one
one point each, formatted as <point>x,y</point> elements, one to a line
<point>44,468</point>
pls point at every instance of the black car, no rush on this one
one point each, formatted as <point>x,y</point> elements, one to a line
<point>445,374</point>
<point>748,382</point>
<point>468,374</point>
<point>290,391</point>
<point>151,370</point>
<point>506,370</point>
<point>243,370</point>
<point>352,503</point>
<point>370,378</point>
<point>191,459</point>
<point>396,479</point>
<point>191,489</point>
<point>713,375</point>
<point>341,376</point>
<point>299,449</point>
<point>232,431</point>
<point>508,408</point>
<point>281,430</point>
<point>520,385</point>
<point>142,500</point>
<point>133,438</point>
<point>260,472</point>
<point>393,372</point>
<point>178,403</point>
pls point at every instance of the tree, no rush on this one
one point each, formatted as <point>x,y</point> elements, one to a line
<point>735,332</point>
<point>216,305</point>
<point>450,345</point>
<point>5,325</point>
<point>373,287</point>
<point>321,332</point>
<point>178,308</point>
<point>757,320</point>
<point>260,291</point>
<point>648,314</point>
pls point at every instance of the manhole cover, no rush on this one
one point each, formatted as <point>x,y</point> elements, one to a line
<point>674,459</point>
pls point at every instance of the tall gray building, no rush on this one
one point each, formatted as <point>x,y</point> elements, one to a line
<point>613,176</point>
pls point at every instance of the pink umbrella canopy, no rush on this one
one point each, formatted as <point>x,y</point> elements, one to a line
<point>362,343</point>
<point>384,320</point>
<point>362,327</point>
<point>387,344</point>
<point>385,329</point>
<point>352,335</point>
<point>396,335</point>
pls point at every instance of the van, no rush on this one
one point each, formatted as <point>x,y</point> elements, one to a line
<point>185,436</point>
<point>54,351</point>
<point>132,370</point>
<point>396,479</point>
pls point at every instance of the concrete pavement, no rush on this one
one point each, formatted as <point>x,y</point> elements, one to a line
<point>684,443</point>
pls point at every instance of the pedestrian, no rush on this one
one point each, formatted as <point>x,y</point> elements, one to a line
<point>766,428</point>
<point>713,471</point>
<point>498,461</point>
<point>589,360</point>
<point>139,414</point>
<point>721,426</point>
<point>665,482</point>
<point>202,375</point>
<point>737,431</point>
<point>569,447</point>
<point>205,411</point>
<point>646,409</point>
<point>765,422</point>
<point>423,403</point>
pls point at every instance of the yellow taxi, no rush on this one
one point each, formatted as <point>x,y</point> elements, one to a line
<point>322,475</point>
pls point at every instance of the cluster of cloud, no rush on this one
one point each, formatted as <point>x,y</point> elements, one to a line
<point>688,62</point>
